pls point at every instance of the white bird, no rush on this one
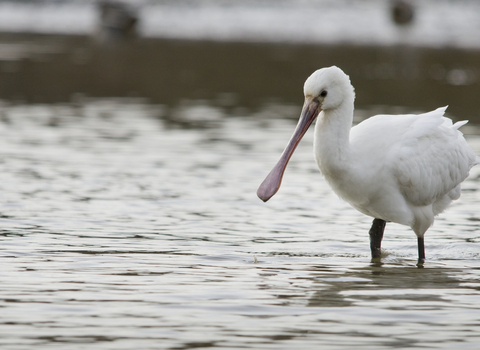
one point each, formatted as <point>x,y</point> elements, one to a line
<point>394,168</point>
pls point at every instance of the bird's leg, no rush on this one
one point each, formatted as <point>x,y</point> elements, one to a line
<point>376,235</point>
<point>421,251</point>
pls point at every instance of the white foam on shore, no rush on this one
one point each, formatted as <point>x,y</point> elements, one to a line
<point>437,23</point>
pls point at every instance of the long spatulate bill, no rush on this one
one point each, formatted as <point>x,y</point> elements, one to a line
<point>272,182</point>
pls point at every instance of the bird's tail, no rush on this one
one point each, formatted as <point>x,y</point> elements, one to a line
<point>459,124</point>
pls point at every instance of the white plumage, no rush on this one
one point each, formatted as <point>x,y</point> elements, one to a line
<point>399,168</point>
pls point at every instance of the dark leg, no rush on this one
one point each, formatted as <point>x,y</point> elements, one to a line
<point>421,251</point>
<point>376,235</point>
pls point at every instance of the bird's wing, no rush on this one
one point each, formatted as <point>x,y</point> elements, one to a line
<point>427,155</point>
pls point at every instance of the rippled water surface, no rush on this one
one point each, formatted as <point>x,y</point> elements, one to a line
<point>123,230</point>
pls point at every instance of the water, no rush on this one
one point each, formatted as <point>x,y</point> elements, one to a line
<point>121,230</point>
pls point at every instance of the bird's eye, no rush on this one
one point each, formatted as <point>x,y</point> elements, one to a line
<point>323,93</point>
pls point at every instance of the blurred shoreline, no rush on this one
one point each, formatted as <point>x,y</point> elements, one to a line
<point>40,68</point>
<point>241,55</point>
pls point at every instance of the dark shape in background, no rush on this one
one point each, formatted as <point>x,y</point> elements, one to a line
<point>402,12</point>
<point>118,22</point>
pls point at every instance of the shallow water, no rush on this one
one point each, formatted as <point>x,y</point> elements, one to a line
<point>122,230</point>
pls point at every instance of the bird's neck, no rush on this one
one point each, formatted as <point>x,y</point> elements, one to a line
<point>332,139</point>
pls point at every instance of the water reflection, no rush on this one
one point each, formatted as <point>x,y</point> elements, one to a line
<point>395,282</point>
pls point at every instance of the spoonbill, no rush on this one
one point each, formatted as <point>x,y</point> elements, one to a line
<point>395,168</point>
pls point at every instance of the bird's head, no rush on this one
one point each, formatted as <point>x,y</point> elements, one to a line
<point>325,89</point>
